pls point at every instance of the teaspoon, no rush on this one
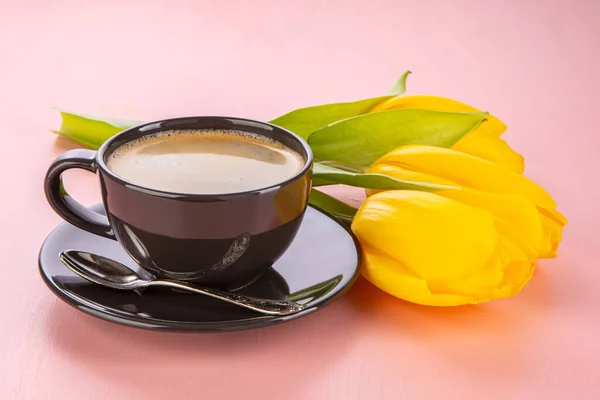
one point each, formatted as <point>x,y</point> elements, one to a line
<point>107,272</point>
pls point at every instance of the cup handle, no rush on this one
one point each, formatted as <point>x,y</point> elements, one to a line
<point>66,206</point>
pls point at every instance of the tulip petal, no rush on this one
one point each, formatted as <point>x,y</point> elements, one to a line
<point>413,176</point>
<point>479,287</point>
<point>441,238</point>
<point>467,170</point>
<point>453,168</point>
<point>552,237</point>
<point>517,272</point>
<point>509,273</point>
<point>514,210</point>
<point>491,148</point>
<point>436,103</point>
<point>433,250</point>
<point>527,252</point>
<point>390,276</point>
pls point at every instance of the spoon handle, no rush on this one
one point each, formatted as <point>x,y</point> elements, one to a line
<point>264,306</point>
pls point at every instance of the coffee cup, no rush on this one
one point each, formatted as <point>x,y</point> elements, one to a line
<point>213,200</point>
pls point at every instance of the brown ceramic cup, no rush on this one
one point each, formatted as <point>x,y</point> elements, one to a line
<point>223,240</point>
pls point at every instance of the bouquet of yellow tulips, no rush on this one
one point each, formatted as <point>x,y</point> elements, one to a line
<point>449,218</point>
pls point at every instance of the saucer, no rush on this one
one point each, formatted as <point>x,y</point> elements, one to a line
<point>322,262</point>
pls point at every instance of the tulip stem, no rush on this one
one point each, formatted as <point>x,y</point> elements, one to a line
<point>338,208</point>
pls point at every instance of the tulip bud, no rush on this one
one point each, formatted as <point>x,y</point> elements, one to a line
<point>485,185</point>
<point>433,250</point>
<point>484,142</point>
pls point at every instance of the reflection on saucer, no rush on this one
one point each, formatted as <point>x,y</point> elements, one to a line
<point>173,305</point>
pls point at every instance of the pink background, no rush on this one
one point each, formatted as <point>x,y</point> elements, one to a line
<point>533,63</point>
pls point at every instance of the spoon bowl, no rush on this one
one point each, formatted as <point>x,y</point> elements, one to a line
<point>102,270</point>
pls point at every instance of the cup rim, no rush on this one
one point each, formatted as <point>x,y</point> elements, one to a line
<point>200,196</point>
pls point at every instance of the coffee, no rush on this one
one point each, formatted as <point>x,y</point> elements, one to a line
<point>205,161</point>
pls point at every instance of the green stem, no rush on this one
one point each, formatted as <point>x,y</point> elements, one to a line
<point>332,205</point>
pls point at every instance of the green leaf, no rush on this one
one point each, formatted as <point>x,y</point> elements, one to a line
<point>332,205</point>
<point>305,121</point>
<point>92,131</point>
<point>361,140</point>
<point>400,85</point>
<point>316,291</point>
<point>89,130</point>
<point>343,166</point>
<point>327,175</point>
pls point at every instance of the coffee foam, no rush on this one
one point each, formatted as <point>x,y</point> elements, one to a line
<point>207,161</point>
<point>180,134</point>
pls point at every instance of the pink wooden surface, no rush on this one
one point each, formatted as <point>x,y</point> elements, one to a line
<point>534,64</point>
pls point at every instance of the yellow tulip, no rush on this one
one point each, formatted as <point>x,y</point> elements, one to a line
<point>484,142</point>
<point>433,250</point>
<point>507,195</point>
